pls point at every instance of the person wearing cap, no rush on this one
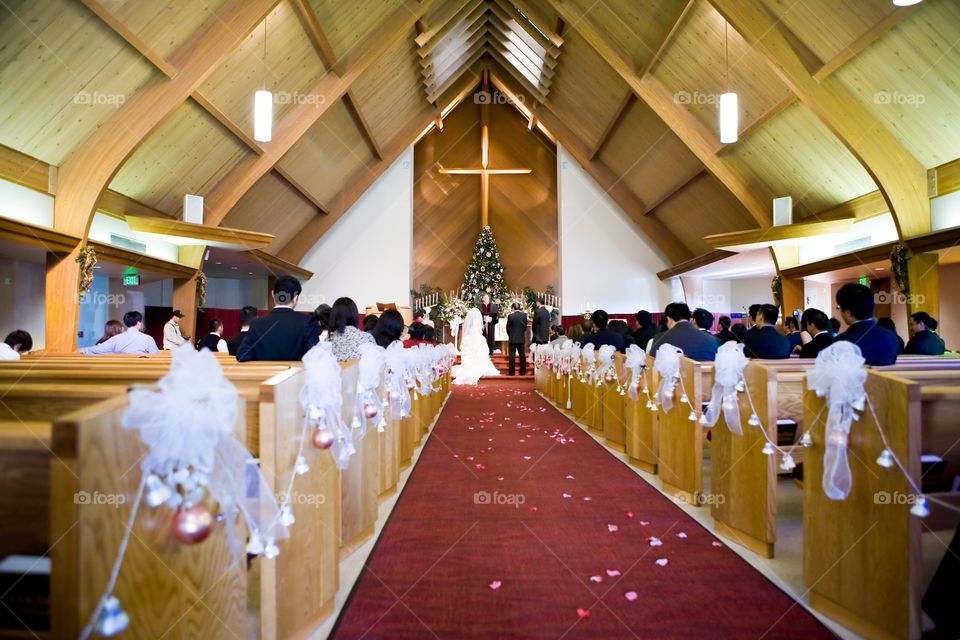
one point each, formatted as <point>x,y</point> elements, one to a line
<point>172,338</point>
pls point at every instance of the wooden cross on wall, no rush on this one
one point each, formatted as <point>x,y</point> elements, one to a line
<point>484,170</point>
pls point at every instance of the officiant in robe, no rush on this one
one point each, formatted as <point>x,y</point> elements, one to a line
<point>491,314</point>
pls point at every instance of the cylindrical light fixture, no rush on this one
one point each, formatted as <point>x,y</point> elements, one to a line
<point>729,118</point>
<point>263,116</point>
<point>905,3</point>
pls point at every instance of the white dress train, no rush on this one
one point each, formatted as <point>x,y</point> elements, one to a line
<point>475,360</point>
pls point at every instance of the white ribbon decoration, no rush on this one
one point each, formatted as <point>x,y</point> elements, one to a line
<point>371,365</point>
<point>838,375</point>
<point>322,399</point>
<point>667,364</point>
<point>396,385</point>
<point>455,323</point>
<point>589,358</point>
<point>635,361</point>
<point>604,361</point>
<point>727,372</point>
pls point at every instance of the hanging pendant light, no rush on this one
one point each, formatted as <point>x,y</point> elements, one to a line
<point>905,3</point>
<point>729,110</point>
<point>263,104</point>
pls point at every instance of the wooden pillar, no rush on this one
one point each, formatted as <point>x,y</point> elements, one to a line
<point>185,290</point>
<point>793,296</point>
<point>62,317</point>
<point>923,273</point>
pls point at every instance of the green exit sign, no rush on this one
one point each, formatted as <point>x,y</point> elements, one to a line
<point>863,281</point>
<point>131,279</point>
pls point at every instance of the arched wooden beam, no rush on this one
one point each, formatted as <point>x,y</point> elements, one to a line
<point>899,176</point>
<point>755,198</point>
<point>91,167</point>
<point>228,191</point>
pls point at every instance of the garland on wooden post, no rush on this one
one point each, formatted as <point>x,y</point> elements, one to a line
<point>776,286</point>
<point>899,256</point>
<point>201,282</point>
<point>87,259</point>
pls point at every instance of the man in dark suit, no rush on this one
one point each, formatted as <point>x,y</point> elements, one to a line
<point>817,325</point>
<point>695,344</point>
<point>282,334</point>
<point>247,315</point>
<point>491,315</point>
<point>878,346</point>
<point>541,323</point>
<point>645,329</point>
<point>923,341</point>
<point>725,334</point>
<point>517,338</point>
<point>603,335</point>
<point>765,341</point>
<point>752,313</point>
<point>703,320</point>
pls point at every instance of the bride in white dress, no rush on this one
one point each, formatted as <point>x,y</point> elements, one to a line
<point>475,360</point>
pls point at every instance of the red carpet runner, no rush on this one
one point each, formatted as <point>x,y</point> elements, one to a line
<point>516,524</point>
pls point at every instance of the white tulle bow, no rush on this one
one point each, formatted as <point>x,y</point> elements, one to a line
<point>635,361</point>
<point>727,372</point>
<point>395,381</point>
<point>322,400</point>
<point>370,374</point>
<point>838,376</point>
<point>604,361</point>
<point>667,365</point>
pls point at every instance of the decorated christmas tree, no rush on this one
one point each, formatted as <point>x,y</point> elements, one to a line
<point>485,272</point>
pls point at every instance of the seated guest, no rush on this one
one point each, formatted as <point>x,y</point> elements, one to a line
<point>575,333</point>
<point>645,329</point>
<point>702,319</point>
<point>586,324</point>
<point>420,315</point>
<point>321,323</point>
<point>739,330</point>
<point>878,346</point>
<point>429,334</point>
<point>110,329</point>
<point>247,315</point>
<point>369,322</point>
<point>817,326</point>
<point>345,337</point>
<point>752,312</point>
<point>888,324</point>
<point>132,340</point>
<point>14,344</point>
<point>557,335</point>
<point>282,334</point>
<point>764,341</point>
<point>694,343</point>
<point>603,335</point>
<point>834,326</point>
<point>725,334</point>
<point>793,332</point>
<point>214,341</point>
<point>389,328</point>
<point>621,327</point>
<point>923,340</point>
<point>418,334</point>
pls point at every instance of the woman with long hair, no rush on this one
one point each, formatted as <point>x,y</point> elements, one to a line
<point>389,328</point>
<point>345,337</point>
<point>112,328</point>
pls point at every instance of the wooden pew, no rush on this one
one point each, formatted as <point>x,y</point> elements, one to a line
<point>642,444</point>
<point>680,441</point>
<point>614,407</point>
<point>862,555</point>
<point>359,486</point>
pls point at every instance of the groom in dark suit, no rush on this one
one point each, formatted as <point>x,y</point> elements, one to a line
<point>541,323</point>
<point>491,314</point>
<point>517,336</point>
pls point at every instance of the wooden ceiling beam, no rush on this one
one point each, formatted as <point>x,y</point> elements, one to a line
<point>754,197</point>
<point>284,175</point>
<point>295,250</point>
<point>228,124</point>
<point>892,19</point>
<point>298,121</point>
<point>531,12</point>
<point>668,35</point>
<point>507,11</point>
<point>897,174</point>
<point>614,124</point>
<point>673,192</point>
<point>466,13</point>
<point>671,246</point>
<point>131,38</point>
<point>91,167</point>
<point>776,109</point>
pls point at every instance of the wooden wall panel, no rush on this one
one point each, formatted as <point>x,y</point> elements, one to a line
<point>347,23</point>
<point>790,153</point>
<point>188,153</point>
<point>62,74</point>
<point>272,206</point>
<point>290,70</point>
<point>327,155</point>
<point>162,24</point>
<point>702,209</point>
<point>523,208</point>
<point>910,79</point>
<point>446,208</point>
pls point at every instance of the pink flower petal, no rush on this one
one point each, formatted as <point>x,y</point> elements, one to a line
<point>655,542</point>
<point>567,495</point>
<point>717,544</point>
<point>629,514</point>
<point>631,595</point>
<point>597,579</point>
<point>613,573</point>
<point>500,478</point>
<point>587,499</point>
<point>495,585</point>
<point>534,509</point>
<point>583,613</point>
<point>612,528</point>
<point>480,466</point>
<point>569,478</point>
<point>662,562</point>
<point>470,458</point>
<point>681,535</point>
<point>644,523</point>
<point>527,457</point>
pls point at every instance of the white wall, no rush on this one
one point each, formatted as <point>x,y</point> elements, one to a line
<point>21,299</point>
<point>229,293</point>
<point>367,254</point>
<point>747,291</point>
<point>606,262</point>
<point>26,205</point>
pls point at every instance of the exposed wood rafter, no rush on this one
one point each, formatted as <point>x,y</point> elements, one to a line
<point>614,123</point>
<point>668,35</point>
<point>679,189</point>
<point>290,180</point>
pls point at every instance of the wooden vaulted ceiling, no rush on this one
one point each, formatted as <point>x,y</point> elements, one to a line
<point>839,99</point>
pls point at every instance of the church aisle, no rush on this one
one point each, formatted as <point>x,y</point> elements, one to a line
<point>515,523</point>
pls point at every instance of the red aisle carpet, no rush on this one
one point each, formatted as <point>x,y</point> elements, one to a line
<point>592,552</point>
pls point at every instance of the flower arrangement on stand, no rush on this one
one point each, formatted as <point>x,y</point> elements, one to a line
<point>776,287</point>
<point>87,261</point>
<point>201,282</point>
<point>899,257</point>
